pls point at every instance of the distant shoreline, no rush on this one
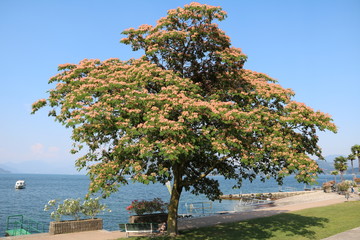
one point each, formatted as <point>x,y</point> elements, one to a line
<point>3,171</point>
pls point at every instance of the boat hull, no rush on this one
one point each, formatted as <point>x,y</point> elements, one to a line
<point>20,184</point>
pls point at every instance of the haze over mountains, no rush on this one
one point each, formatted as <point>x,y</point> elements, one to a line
<point>2,171</point>
<point>38,167</point>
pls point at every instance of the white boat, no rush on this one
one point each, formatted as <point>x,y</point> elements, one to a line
<point>20,184</point>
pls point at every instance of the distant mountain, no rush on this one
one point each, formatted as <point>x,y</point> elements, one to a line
<point>328,164</point>
<point>8,167</point>
<point>2,171</point>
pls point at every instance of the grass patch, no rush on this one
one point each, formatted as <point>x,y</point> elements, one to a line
<point>314,223</point>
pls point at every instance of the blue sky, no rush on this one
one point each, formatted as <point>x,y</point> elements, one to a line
<point>310,46</point>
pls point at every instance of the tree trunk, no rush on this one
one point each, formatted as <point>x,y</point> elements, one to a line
<point>359,162</point>
<point>172,227</point>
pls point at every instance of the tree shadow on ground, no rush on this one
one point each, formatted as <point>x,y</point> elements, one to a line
<point>281,226</point>
<point>289,225</point>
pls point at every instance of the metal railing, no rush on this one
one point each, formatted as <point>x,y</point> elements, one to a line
<point>199,208</point>
<point>20,225</point>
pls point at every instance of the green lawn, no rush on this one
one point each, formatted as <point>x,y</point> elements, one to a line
<point>314,223</point>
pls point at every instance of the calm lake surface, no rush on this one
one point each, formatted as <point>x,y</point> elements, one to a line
<point>41,188</point>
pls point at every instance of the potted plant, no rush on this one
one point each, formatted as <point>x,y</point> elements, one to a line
<point>152,211</point>
<point>75,209</point>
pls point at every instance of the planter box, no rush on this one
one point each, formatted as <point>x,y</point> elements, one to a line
<point>75,226</point>
<point>149,218</point>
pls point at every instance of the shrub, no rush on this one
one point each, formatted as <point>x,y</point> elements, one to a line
<point>73,208</point>
<point>328,184</point>
<point>92,207</point>
<point>344,186</point>
<point>143,206</point>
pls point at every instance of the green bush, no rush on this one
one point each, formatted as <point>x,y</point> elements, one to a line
<point>73,208</point>
<point>343,186</point>
<point>92,207</point>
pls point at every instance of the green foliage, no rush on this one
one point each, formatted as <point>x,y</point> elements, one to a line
<point>74,208</point>
<point>355,150</point>
<point>70,207</point>
<point>340,164</point>
<point>344,186</point>
<point>92,207</point>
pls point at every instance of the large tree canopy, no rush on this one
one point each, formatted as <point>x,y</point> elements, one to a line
<point>189,43</point>
<point>185,109</point>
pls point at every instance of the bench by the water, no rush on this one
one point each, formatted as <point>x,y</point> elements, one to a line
<point>138,228</point>
<point>19,225</point>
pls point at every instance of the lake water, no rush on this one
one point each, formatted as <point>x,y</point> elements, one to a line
<point>42,188</point>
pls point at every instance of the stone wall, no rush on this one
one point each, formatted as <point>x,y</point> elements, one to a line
<point>75,226</point>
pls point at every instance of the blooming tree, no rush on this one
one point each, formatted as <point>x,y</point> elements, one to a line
<point>185,109</point>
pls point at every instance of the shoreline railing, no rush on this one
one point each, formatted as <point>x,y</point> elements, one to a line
<point>19,225</point>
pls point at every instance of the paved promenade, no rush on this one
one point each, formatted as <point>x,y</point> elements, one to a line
<point>353,234</point>
<point>91,235</point>
<point>310,200</point>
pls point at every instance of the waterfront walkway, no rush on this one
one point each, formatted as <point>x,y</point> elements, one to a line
<point>90,235</point>
<point>313,199</point>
